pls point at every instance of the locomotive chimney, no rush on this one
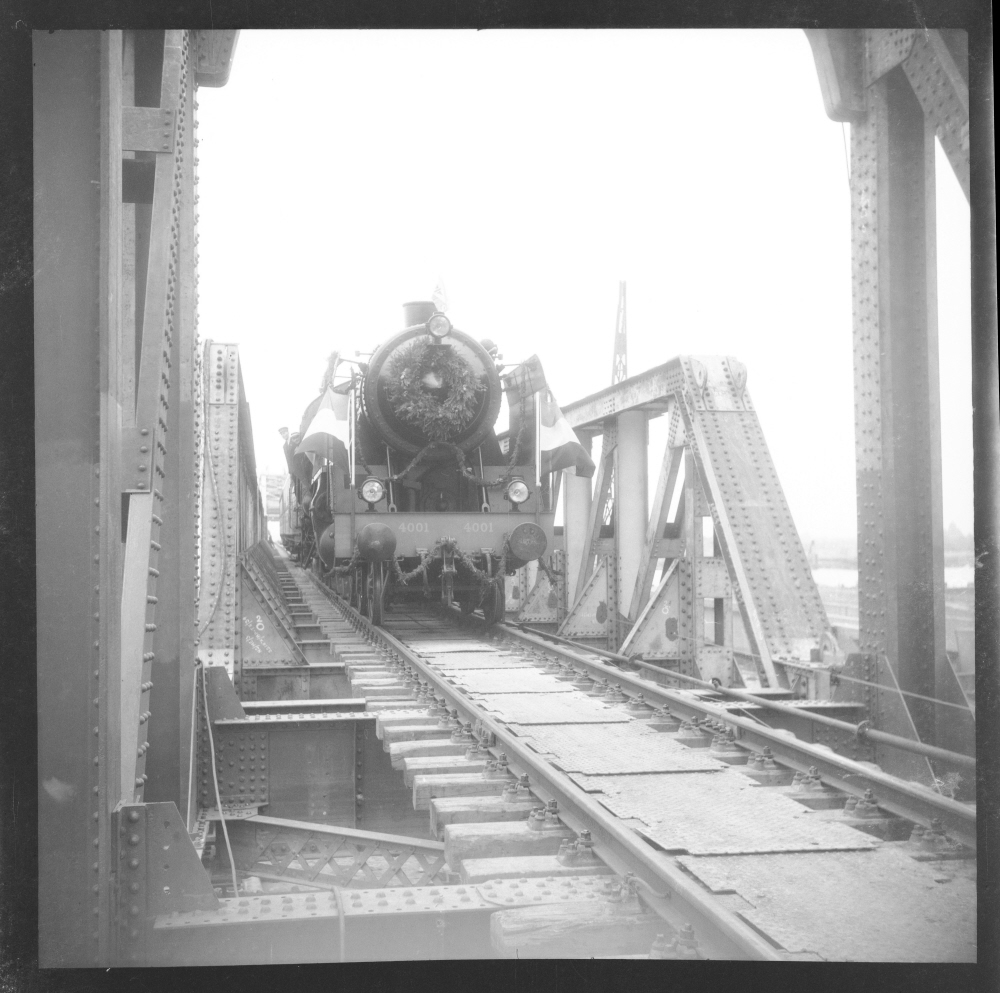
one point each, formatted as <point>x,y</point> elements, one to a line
<point>418,312</point>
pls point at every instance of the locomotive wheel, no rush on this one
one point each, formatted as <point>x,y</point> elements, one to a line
<point>375,590</point>
<point>495,601</point>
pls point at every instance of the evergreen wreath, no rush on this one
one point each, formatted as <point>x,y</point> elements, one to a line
<point>438,419</point>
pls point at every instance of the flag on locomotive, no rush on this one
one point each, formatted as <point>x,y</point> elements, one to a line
<point>401,484</point>
<point>559,446</point>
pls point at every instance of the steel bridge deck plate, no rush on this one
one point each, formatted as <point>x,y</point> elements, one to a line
<point>551,708</point>
<point>501,681</point>
<point>475,660</point>
<point>448,667</point>
<point>609,749</point>
<point>293,906</point>
<point>495,894</point>
<point>722,813</point>
<point>879,905</point>
<point>435,647</point>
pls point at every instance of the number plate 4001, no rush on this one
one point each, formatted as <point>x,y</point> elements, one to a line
<point>421,527</point>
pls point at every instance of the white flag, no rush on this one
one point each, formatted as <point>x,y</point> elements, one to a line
<point>440,297</point>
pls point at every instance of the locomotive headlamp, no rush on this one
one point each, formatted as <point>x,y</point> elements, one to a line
<point>517,491</point>
<point>372,490</point>
<point>439,325</point>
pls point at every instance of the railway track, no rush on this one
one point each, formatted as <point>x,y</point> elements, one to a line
<point>587,810</point>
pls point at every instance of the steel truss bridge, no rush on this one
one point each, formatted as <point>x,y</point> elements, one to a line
<point>234,767</point>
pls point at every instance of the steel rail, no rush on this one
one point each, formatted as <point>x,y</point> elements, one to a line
<point>619,847</point>
<point>908,800</point>
<point>613,843</point>
<point>858,730</point>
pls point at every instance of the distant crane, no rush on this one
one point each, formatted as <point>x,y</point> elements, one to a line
<point>619,368</point>
<point>619,371</point>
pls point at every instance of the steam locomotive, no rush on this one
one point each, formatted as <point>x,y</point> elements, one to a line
<point>400,488</point>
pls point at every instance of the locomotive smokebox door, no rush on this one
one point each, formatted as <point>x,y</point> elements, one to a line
<point>421,389</point>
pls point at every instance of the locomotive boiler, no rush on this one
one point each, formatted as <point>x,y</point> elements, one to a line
<point>400,486</point>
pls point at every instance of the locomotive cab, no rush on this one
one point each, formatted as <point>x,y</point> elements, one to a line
<point>426,505</point>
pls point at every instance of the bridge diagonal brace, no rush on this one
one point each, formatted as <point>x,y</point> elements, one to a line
<point>672,460</point>
<point>943,93</point>
<point>751,617</point>
<point>602,495</point>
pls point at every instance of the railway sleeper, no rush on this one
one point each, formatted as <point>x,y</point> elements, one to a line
<point>439,765</point>
<point>413,730</point>
<point>477,810</point>
<point>375,692</point>
<point>402,750</point>
<point>429,787</point>
<point>394,706</point>
<point>376,677</point>
<point>403,714</point>
<point>504,839</point>
<point>526,867</point>
<point>366,664</point>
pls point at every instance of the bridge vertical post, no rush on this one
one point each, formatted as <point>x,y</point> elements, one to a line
<point>899,88</point>
<point>218,607</point>
<point>576,515</point>
<point>897,406</point>
<point>77,301</point>
<point>631,499</point>
<point>173,668</point>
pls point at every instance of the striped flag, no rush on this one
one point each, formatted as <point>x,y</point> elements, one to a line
<point>561,449</point>
<point>327,434</point>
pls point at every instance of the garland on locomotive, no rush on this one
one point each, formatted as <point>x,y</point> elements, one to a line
<point>399,487</point>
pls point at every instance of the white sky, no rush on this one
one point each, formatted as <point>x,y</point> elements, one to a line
<point>343,173</point>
